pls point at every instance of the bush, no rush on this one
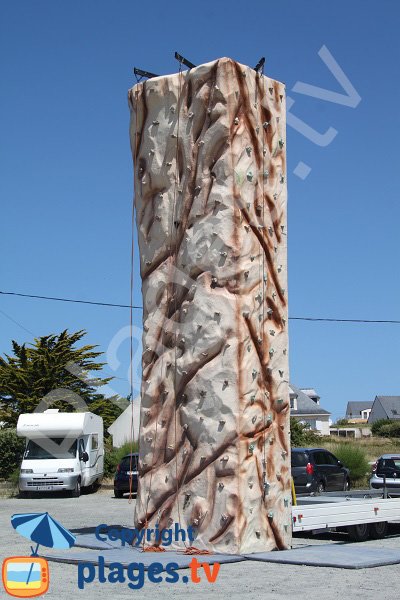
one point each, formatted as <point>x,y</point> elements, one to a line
<point>300,434</point>
<point>376,427</point>
<point>354,458</point>
<point>341,423</point>
<point>112,456</point>
<point>11,451</point>
<point>390,429</point>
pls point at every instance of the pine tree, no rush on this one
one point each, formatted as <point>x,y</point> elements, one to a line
<point>52,372</point>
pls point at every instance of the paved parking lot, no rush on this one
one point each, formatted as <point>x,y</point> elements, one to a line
<point>250,579</point>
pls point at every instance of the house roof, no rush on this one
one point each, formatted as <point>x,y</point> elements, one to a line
<point>305,406</point>
<point>310,392</point>
<point>354,408</point>
<point>391,405</point>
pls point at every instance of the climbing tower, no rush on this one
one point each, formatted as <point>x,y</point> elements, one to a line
<point>210,194</point>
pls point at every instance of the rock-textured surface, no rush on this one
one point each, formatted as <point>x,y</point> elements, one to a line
<point>210,193</point>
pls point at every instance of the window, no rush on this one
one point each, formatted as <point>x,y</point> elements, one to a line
<point>299,459</point>
<point>48,448</point>
<point>330,459</point>
<point>319,458</point>
<point>95,441</point>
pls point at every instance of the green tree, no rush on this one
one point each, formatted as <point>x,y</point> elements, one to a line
<point>377,425</point>
<point>300,434</point>
<point>53,372</point>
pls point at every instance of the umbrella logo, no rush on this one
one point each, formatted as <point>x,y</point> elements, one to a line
<point>28,576</point>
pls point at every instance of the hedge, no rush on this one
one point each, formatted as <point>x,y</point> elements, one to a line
<point>11,451</point>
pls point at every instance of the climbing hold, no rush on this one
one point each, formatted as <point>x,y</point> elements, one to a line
<point>156,122</point>
<point>265,124</point>
<point>248,150</point>
<point>236,121</point>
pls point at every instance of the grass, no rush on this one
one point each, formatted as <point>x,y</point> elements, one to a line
<point>372,447</point>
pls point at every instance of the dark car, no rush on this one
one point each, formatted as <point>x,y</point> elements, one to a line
<point>317,470</point>
<point>386,470</point>
<point>127,469</point>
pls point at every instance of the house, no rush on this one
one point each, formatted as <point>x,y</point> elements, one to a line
<point>121,429</point>
<point>358,412</point>
<point>385,407</point>
<point>305,407</point>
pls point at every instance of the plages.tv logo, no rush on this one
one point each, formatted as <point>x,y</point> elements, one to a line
<point>28,576</point>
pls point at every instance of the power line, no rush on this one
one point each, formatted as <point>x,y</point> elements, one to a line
<point>112,305</point>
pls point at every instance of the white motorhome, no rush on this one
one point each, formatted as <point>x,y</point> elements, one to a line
<point>64,451</point>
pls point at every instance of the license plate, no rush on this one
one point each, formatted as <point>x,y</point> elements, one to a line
<point>44,488</point>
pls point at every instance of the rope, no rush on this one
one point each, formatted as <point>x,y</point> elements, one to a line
<point>131,307</point>
<point>175,299</point>
<point>132,428</point>
<point>264,283</point>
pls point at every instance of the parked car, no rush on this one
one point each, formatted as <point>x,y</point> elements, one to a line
<point>386,467</point>
<point>317,470</point>
<point>127,468</point>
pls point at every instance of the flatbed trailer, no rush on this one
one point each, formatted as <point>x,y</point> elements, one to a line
<point>363,514</point>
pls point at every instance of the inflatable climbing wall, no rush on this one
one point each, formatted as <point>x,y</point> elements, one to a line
<point>210,194</point>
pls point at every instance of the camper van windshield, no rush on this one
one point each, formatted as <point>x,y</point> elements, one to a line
<point>50,448</point>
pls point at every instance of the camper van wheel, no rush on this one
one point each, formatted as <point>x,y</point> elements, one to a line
<point>77,491</point>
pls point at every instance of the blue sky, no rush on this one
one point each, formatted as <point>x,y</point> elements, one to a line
<point>66,182</point>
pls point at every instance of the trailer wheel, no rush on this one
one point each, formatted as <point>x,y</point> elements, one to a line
<point>378,530</point>
<point>359,533</point>
<point>77,491</point>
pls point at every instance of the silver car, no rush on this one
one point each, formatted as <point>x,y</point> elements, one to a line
<point>386,469</point>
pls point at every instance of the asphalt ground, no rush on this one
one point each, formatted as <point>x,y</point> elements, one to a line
<point>238,580</point>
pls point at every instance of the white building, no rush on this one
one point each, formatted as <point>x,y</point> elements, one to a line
<point>121,429</point>
<point>305,407</point>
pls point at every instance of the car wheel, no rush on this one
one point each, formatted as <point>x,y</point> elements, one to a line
<point>346,486</point>
<point>76,492</point>
<point>118,493</point>
<point>378,530</point>
<point>320,487</point>
<point>359,533</point>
